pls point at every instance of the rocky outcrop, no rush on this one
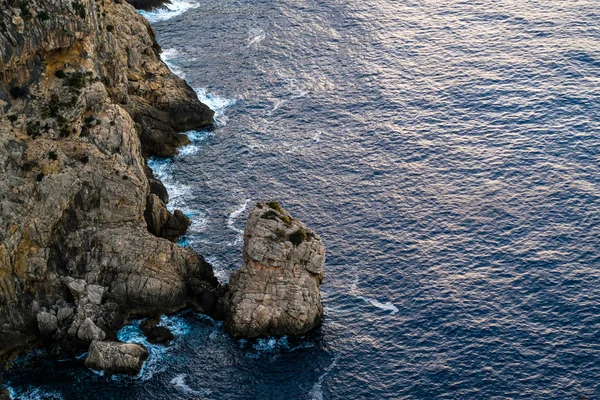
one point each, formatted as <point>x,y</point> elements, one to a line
<point>161,222</point>
<point>276,292</point>
<point>154,333</point>
<point>116,357</point>
<point>84,97</point>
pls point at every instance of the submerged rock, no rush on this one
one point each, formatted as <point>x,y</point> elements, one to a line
<point>276,292</point>
<point>154,333</point>
<point>116,357</point>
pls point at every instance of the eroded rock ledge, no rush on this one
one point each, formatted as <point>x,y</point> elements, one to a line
<point>84,98</point>
<point>276,292</point>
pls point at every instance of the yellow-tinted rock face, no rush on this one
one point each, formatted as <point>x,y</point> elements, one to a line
<point>75,99</point>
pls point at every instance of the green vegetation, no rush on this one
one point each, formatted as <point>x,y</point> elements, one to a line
<point>13,118</point>
<point>277,213</point>
<point>79,9</point>
<point>110,28</point>
<point>275,206</point>
<point>84,159</point>
<point>298,237</point>
<point>43,16</point>
<point>64,132</point>
<point>29,165</point>
<point>76,80</point>
<point>60,74</point>
<point>52,155</point>
<point>33,129</point>
<point>270,215</point>
<point>23,5</point>
<point>17,92</point>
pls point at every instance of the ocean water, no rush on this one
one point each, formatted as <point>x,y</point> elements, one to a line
<point>448,152</point>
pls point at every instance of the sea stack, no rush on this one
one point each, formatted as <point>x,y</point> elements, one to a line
<point>276,291</point>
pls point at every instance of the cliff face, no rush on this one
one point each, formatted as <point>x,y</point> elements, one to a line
<point>84,97</point>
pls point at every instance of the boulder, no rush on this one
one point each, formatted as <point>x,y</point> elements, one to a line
<point>276,292</point>
<point>47,323</point>
<point>154,333</point>
<point>64,313</point>
<point>116,357</point>
<point>159,189</point>
<point>176,226</point>
<point>161,222</point>
<point>88,331</point>
<point>94,294</point>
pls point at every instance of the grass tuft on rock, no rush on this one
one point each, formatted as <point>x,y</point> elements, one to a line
<point>298,237</point>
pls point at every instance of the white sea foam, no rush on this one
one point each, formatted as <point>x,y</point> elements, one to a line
<point>299,95</point>
<point>316,392</point>
<point>217,103</point>
<point>35,393</point>
<point>177,7</point>
<point>179,383</point>
<point>255,36</point>
<point>131,333</point>
<point>170,57</point>
<point>236,213</point>
<point>387,306</point>
<point>317,136</point>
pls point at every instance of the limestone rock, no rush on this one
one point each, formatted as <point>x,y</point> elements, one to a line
<point>64,314</point>
<point>161,222</point>
<point>94,294</point>
<point>47,323</point>
<point>116,357</point>
<point>88,331</point>
<point>276,292</point>
<point>85,98</point>
<point>154,333</point>
<point>176,226</point>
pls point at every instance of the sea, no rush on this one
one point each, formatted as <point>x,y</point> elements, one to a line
<point>447,152</point>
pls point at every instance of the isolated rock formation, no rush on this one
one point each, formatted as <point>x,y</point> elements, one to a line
<point>154,333</point>
<point>276,292</point>
<point>84,97</point>
<point>116,357</point>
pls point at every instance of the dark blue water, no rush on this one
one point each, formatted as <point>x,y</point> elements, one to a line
<point>448,152</point>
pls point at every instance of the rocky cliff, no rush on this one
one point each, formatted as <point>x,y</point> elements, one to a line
<point>84,98</point>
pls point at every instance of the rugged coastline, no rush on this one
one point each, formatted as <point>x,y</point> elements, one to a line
<point>86,239</point>
<point>85,100</point>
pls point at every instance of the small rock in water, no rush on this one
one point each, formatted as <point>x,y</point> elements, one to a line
<point>154,333</point>
<point>116,357</point>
